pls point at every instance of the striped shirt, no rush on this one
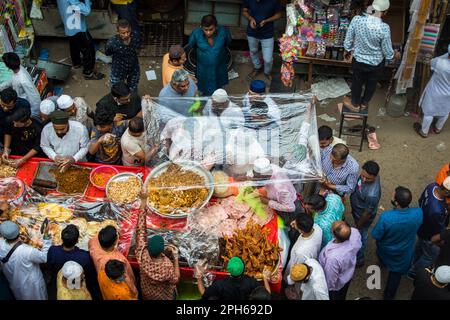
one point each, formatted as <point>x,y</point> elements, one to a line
<point>344,177</point>
<point>370,40</point>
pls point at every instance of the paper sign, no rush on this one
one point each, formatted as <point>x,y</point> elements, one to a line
<point>151,75</point>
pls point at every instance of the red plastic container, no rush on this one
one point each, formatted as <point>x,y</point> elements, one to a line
<point>104,170</point>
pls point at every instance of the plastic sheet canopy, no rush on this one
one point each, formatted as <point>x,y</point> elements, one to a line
<point>231,134</point>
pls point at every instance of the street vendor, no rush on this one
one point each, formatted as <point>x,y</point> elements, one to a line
<point>45,109</point>
<point>64,141</point>
<point>257,93</point>
<point>23,136</point>
<point>222,107</point>
<point>237,286</point>
<point>278,193</point>
<point>77,108</point>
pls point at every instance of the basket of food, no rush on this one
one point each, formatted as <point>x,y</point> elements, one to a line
<point>177,189</point>
<point>12,190</point>
<point>100,176</point>
<point>124,188</point>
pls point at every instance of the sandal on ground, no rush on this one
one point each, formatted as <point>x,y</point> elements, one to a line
<point>94,76</point>
<point>418,128</point>
<point>373,142</point>
<point>436,131</point>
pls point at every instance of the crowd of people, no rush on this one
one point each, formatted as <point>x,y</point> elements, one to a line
<point>325,246</point>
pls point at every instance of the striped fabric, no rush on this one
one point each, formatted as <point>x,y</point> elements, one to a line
<point>345,176</point>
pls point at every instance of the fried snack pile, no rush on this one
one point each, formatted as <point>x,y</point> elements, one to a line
<point>176,189</point>
<point>124,191</point>
<point>73,180</point>
<point>101,179</point>
<point>54,212</point>
<point>9,189</point>
<point>254,248</point>
<point>7,171</point>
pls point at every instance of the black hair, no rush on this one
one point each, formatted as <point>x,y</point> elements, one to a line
<point>107,237</point>
<point>123,23</point>
<point>260,293</point>
<point>371,168</point>
<point>70,236</point>
<point>403,196</point>
<point>19,115</point>
<point>208,21</point>
<point>136,125</point>
<point>304,222</point>
<point>114,269</point>
<point>340,151</point>
<point>8,95</point>
<point>104,116</point>
<point>11,60</point>
<point>325,133</point>
<point>120,89</point>
<point>317,201</point>
<point>337,232</point>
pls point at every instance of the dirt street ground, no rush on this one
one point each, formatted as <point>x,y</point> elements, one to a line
<point>405,158</point>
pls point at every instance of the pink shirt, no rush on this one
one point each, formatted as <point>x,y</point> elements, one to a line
<point>281,192</point>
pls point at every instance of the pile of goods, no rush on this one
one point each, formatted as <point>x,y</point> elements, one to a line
<point>74,180</point>
<point>30,219</point>
<point>176,190</point>
<point>254,248</point>
<point>10,189</point>
<point>124,191</point>
<point>7,171</point>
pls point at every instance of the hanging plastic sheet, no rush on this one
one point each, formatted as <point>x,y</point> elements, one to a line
<point>227,134</point>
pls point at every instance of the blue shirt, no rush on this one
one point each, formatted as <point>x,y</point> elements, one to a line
<point>261,10</point>
<point>167,99</point>
<point>211,71</point>
<point>370,40</point>
<point>434,213</point>
<point>366,197</point>
<point>395,233</point>
<point>73,15</point>
<point>333,212</point>
<point>345,176</point>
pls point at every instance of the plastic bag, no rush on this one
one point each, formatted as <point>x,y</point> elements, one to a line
<point>36,12</point>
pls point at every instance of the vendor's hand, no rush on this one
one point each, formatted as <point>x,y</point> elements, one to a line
<point>147,97</point>
<point>266,273</point>
<point>253,24</point>
<point>347,55</point>
<point>17,163</point>
<point>58,160</point>
<point>199,270</point>
<point>119,117</point>
<point>143,196</point>
<point>5,155</point>
<point>173,250</point>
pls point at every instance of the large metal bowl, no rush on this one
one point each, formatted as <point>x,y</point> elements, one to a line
<point>121,177</point>
<point>187,165</point>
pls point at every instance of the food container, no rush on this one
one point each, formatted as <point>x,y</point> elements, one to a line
<point>122,177</point>
<point>18,198</point>
<point>106,170</point>
<point>187,165</point>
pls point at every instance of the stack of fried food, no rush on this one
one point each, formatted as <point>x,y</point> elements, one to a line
<point>7,171</point>
<point>177,189</point>
<point>124,191</point>
<point>254,248</point>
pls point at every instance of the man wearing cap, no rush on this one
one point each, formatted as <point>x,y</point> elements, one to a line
<point>20,263</point>
<point>71,284</point>
<point>395,234</point>
<point>172,61</point>
<point>260,15</point>
<point>435,220</point>
<point>368,39</point>
<point>432,285</point>
<point>77,108</point>
<point>338,259</point>
<point>278,192</point>
<point>237,286</point>
<point>311,280</point>
<point>46,108</point>
<point>220,106</point>
<point>178,97</point>
<point>434,101</point>
<point>257,93</point>
<point>64,141</point>
<point>159,273</point>
<point>123,48</point>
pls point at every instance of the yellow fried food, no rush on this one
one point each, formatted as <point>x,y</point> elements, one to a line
<point>54,211</point>
<point>176,189</point>
<point>7,171</point>
<point>93,227</point>
<point>124,191</point>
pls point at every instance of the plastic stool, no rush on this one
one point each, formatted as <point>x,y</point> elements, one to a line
<point>347,114</point>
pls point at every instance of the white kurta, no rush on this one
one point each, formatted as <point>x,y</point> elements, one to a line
<point>22,83</point>
<point>23,272</point>
<point>435,100</point>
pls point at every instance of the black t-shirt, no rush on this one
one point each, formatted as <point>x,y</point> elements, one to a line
<point>444,253</point>
<point>426,290</point>
<point>130,109</point>
<point>231,288</point>
<point>20,103</point>
<point>25,139</point>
